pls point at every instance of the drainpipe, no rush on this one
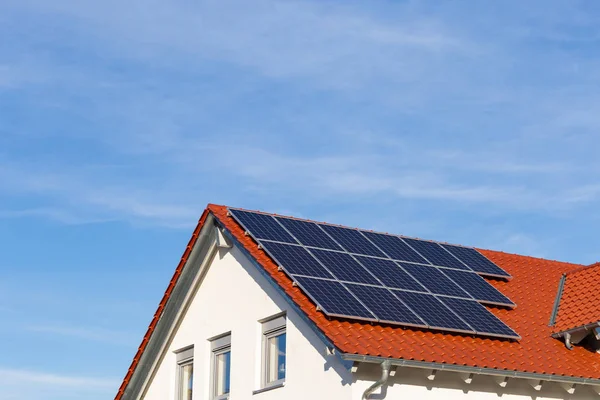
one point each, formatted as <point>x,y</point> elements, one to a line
<point>385,374</point>
<point>568,341</point>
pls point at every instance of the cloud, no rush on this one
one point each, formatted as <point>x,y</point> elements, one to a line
<point>19,377</point>
<point>86,333</point>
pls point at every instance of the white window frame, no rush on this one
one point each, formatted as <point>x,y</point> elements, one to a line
<point>219,345</point>
<point>184,358</point>
<point>271,328</point>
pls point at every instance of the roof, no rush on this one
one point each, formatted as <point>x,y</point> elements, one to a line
<point>533,288</point>
<point>579,303</point>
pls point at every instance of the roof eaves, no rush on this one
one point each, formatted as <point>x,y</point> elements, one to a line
<point>474,370</point>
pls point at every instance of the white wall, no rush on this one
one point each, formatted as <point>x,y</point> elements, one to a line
<point>234,296</point>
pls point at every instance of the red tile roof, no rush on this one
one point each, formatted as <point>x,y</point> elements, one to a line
<point>533,288</point>
<point>579,303</point>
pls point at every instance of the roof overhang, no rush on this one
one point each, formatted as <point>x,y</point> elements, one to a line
<point>472,370</point>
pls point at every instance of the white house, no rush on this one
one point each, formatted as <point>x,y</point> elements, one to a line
<point>233,324</point>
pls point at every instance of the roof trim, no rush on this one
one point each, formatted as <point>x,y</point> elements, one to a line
<point>561,287</point>
<point>161,306</point>
<point>473,370</point>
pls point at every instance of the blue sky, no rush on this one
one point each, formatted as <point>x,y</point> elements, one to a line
<point>469,122</point>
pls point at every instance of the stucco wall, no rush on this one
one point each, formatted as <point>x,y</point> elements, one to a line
<point>234,296</point>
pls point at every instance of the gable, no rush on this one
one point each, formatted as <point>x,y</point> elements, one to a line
<point>221,290</point>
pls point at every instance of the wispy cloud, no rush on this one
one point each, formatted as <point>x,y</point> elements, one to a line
<point>18,377</point>
<point>86,333</point>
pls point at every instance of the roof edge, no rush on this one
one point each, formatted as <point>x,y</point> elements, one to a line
<point>473,370</point>
<point>162,304</point>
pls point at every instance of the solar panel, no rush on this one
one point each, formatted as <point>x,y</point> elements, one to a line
<point>478,288</point>
<point>386,306</point>
<point>395,248</point>
<point>434,280</point>
<point>435,253</point>
<point>333,298</point>
<point>480,319</point>
<point>352,240</point>
<point>344,267</point>
<point>476,261</point>
<point>432,311</point>
<point>296,260</point>
<point>390,274</point>
<point>372,276</point>
<point>308,233</point>
<point>262,226</point>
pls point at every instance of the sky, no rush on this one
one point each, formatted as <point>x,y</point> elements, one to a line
<point>468,122</point>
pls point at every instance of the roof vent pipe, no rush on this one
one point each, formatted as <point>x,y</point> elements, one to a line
<point>385,374</point>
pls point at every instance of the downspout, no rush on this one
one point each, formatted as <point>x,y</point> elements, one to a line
<point>385,374</point>
<point>568,341</point>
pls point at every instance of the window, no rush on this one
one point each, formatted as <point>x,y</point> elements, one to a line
<point>185,374</point>
<point>221,367</point>
<point>274,342</point>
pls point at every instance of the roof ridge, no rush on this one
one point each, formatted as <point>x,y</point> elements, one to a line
<point>585,267</point>
<point>396,234</point>
<point>579,266</point>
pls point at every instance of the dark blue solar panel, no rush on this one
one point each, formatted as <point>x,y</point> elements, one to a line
<point>435,253</point>
<point>476,261</point>
<point>344,267</point>
<point>434,280</point>
<point>390,273</point>
<point>309,233</point>
<point>479,317</point>
<point>352,240</point>
<point>333,298</point>
<point>295,259</point>
<point>478,287</point>
<point>262,226</point>
<point>432,311</point>
<point>385,305</point>
<point>394,247</point>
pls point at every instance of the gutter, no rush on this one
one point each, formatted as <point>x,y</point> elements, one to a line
<point>472,370</point>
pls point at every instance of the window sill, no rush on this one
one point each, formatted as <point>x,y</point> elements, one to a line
<point>271,387</point>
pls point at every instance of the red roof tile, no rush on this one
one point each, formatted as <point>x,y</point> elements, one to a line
<point>533,288</point>
<point>579,303</point>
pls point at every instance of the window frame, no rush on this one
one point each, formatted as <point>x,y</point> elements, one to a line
<point>184,358</point>
<point>271,328</point>
<point>219,346</point>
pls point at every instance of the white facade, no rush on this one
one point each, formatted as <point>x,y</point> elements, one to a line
<point>232,295</point>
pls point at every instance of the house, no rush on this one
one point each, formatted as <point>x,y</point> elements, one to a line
<point>234,323</point>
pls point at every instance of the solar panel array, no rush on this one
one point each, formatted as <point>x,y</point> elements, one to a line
<point>370,276</point>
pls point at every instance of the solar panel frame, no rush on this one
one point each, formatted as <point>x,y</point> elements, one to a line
<point>344,267</point>
<point>314,287</point>
<point>476,261</point>
<point>352,240</point>
<point>262,226</point>
<point>390,273</point>
<point>434,280</point>
<point>455,323</point>
<point>277,251</point>
<point>479,318</point>
<point>435,254</point>
<point>478,288</point>
<point>394,247</point>
<point>309,233</point>
<point>386,306</point>
<point>433,312</point>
